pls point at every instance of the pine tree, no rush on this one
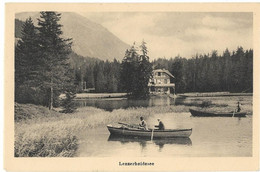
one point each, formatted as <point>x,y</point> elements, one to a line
<point>136,71</point>
<point>126,72</point>
<point>89,77</point>
<point>116,70</point>
<point>227,69</point>
<point>27,63</point>
<point>177,71</point>
<point>54,51</point>
<point>68,103</point>
<point>249,73</point>
<point>100,78</point>
<point>145,72</point>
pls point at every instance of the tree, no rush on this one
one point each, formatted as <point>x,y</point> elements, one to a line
<point>144,72</point>
<point>177,71</point>
<point>249,73</point>
<point>116,70</point>
<point>136,71</point>
<point>227,69</point>
<point>68,103</point>
<point>100,78</point>
<point>27,63</point>
<point>127,75</point>
<point>89,77</point>
<point>54,54</point>
<point>236,73</point>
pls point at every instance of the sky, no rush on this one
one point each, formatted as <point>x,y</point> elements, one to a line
<point>169,34</point>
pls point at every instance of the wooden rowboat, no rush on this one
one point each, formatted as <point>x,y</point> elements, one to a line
<point>216,114</point>
<point>135,132</point>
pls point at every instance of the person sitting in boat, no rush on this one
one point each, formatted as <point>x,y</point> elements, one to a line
<point>238,107</point>
<point>143,124</point>
<point>160,126</point>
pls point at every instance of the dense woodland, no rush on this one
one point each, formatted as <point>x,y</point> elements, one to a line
<point>229,71</point>
<point>128,76</point>
<point>45,67</point>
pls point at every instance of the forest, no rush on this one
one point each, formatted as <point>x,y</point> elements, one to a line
<point>231,71</point>
<point>46,66</point>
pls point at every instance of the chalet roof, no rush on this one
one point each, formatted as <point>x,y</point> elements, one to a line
<point>165,71</point>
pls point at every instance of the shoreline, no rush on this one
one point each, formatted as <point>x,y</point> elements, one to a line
<point>80,96</point>
<point>100,95</point>
<point>213,94</point>
<point>33,123</point>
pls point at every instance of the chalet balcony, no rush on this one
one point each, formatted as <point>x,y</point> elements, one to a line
<point>161,85</point>
<point>161,77</point>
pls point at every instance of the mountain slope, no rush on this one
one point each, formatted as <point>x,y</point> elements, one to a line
<point>89,38</point>
<point>18,28</point>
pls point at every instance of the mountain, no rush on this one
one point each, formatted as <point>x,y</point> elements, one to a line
<point>18,28</point>
<point>89,38</point>
<point>75,59</point>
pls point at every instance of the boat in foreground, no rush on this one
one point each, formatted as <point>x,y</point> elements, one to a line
<point>135,132</point>
<point>216,114</point>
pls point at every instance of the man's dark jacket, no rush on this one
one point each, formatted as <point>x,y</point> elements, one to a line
<point>160,126</point>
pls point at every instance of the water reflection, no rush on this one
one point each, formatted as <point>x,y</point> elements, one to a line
<point>160,142</point>
<point>211,137</point>
<point>117,103</point>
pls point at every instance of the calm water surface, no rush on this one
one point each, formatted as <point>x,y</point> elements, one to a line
<point>214,137</point>
<point>117,103</point>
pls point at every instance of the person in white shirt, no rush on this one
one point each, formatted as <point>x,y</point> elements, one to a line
<point>143,124</point>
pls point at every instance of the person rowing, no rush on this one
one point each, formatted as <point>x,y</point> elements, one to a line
<point>160,126</point>
<point>143,124</point>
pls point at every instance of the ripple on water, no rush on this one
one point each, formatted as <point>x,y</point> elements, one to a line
<point>214,137</point>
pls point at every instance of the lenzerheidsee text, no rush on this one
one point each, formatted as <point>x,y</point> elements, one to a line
<point>136,163</point>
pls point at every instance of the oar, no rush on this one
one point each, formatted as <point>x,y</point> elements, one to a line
<point>233,113</point>
<point>152,135</point>
<point>129,125</point>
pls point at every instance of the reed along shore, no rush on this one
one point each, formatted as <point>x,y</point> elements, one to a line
<point>40,132</point>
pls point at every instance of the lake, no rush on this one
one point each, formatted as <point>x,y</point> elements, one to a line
<point>116,103</point>
<point>211,137</point>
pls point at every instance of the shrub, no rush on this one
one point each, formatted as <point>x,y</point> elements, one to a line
<point>68,104</point>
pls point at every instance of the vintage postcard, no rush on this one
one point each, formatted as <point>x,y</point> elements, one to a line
<point>131,87</point>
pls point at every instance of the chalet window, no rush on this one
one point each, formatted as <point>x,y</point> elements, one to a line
<point>159,73</point>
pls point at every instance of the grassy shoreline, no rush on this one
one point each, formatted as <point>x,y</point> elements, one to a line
<point>43,133</point>
<point>40,132</point>
<point>97,95</point>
